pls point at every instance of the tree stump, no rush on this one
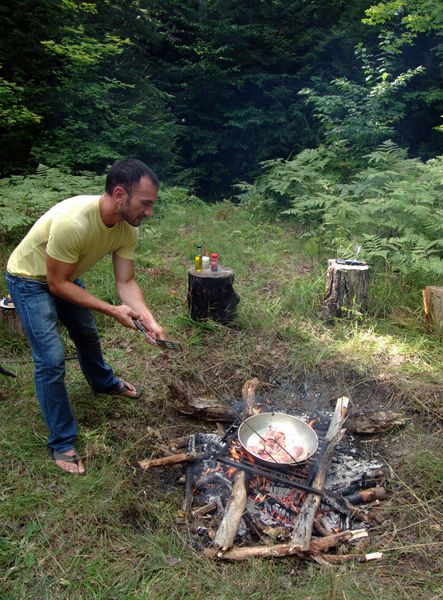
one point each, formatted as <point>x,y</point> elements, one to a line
<point>433,306</point>
<point>10,318</point>
<point>346,289</point>
<point>211,295</point>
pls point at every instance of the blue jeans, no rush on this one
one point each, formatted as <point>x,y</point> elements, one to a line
<point>39,312</point>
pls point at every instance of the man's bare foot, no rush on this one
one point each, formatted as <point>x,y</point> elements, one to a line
<point>127,390</point>
<point>69,461</point>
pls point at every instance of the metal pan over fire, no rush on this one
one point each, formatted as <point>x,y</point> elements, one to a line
<point>277,439</point>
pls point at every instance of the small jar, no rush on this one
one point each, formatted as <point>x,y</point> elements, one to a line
<point>205,262</point>
<point>214,261</point>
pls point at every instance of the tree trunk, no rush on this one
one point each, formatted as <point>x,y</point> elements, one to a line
<point>433,306</point>
<point>211,295</point>
<point>346,290</point>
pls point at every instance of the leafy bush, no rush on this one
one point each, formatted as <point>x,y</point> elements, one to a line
<point>24,199</point>
<point>392,206</point>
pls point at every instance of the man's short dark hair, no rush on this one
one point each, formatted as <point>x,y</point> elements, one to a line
<point>128,173</point>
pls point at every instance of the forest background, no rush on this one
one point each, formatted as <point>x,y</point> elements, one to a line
<point>326,112</point>
<point>313,126</point>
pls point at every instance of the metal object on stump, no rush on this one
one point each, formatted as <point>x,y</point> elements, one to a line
<point>211,295</point>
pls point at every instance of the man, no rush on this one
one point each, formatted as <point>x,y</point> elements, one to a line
<point>43,280</point>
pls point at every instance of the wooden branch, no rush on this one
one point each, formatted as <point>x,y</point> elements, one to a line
<point>204,510</point>
<point>368,495</point>
<point>337,559</point>
<point>174,459</point>
<point>207,408</point>
<point>180,442</point>
<point>302,532</point>
<point>248,394</point>
<point>189,478</point>
<point>316,546</point>
<point>228,527</point>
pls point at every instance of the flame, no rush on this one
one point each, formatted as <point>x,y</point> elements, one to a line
<point>230,472</point>
<point>259,498</point>
<point>235,453</point>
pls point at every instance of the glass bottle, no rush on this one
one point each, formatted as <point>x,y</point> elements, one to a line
<point>198,259</point>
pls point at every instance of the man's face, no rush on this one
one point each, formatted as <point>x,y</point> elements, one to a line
<point>139,203</point>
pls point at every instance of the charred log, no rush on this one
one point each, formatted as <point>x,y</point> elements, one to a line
<point>189,478</point>
<point>207,408</point>
<point>374,422</point>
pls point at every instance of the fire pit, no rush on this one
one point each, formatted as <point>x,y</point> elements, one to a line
<point>240,506</point>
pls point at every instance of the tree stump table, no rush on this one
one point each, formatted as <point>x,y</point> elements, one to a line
<point>9,316</point>
<point>211,295</point>
<point>433,307</point>
<point>346,289</point>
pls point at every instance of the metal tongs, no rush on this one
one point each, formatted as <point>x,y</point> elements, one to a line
<point>166,344</point>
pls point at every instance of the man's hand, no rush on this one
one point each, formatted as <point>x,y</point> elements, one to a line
<point>152,327</point>
<point>130,294</point>
<point>125,314</point>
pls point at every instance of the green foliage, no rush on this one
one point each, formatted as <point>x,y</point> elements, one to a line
<point>361,115</point>
<point>25,199</point>
<point>411,31</point>
<point>416,16</point>
<point>287,185</point>
<point>391,206</point>
<point>13,110</point>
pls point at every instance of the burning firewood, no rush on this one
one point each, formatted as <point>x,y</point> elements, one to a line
<point>369,495</point>
<point>302,531</point>
<point>234,511</point>
<point>189,478</point>
<point>228,528</point>
<point>204,510</point>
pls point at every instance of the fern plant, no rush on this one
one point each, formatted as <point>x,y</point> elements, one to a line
<point>25,198</point>
<point>394,207</point>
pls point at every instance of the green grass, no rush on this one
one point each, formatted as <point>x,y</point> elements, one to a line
<point>118,533</point>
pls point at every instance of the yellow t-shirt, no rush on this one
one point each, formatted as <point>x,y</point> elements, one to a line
<point>72,231</point>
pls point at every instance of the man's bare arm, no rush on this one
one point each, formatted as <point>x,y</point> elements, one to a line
<point>58,277</point>
<point>131,295</point>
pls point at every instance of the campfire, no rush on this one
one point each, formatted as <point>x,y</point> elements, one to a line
<point>242,501</point>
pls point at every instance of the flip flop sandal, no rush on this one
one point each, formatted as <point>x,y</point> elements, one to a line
<point>124,388</point>
<point>7,303</point>
<point>75,458</point>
